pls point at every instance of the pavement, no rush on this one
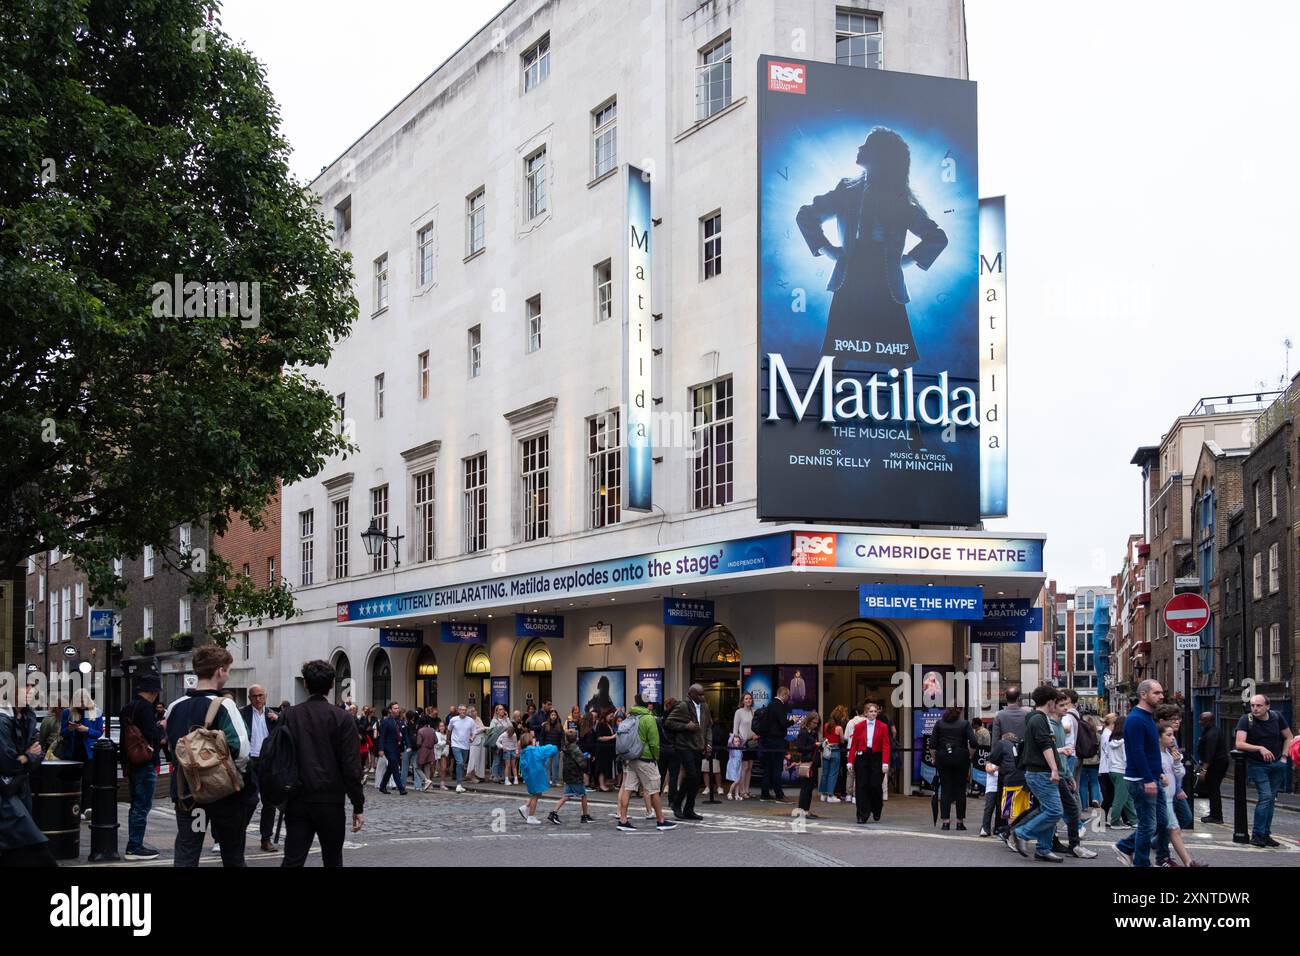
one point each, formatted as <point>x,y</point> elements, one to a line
<point>483,828</point>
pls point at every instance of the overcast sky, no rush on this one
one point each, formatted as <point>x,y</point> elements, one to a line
<point>1149,161</point>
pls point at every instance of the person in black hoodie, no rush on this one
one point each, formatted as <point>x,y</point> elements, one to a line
<point>141,712</point>
<point>329,770</point>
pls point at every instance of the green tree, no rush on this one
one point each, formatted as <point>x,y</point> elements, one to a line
<point>139,143</point>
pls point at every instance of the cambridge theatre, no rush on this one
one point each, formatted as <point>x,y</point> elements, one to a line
<point>567,433</point>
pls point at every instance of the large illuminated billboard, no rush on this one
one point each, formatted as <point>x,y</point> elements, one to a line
<point>868,295</point>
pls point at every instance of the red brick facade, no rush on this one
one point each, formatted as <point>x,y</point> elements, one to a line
<point>257,550</point>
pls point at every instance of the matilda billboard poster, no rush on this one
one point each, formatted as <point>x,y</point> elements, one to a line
<point>868,295</point>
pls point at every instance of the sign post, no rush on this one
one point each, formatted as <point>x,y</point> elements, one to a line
<point>1186,616</point>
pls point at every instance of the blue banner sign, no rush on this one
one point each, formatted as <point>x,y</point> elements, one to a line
<point>539,625</point>
<point>501,692</point>
<point>942,603</point>
<point>996,634</point>
<point>400,637</point>
<point>101,625</point>
<point>687,611</point>
<point>463,632</point>
<point>742,556</point>
<point>1013,612</point>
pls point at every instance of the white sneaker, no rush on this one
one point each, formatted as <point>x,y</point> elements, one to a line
<point>459,788</point>
<point>523,812</point>
<point>533,821</point>
<point>851,799</point>
<point>832,799</point>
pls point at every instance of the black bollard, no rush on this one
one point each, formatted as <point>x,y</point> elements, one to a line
<point>103,801</point>
<point>1240,826</point>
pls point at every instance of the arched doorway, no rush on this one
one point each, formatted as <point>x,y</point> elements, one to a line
<point>715,666</point>
<point>861,658</point>
<point>478,678</point>
<point>343,695</point>
<point>426,679</point>
<point>535,671</point>
<point>381,681</point>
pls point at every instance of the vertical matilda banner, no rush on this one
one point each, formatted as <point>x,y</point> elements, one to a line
<point>993,357</point>
<point>636,342</point>
<point>868,295</point>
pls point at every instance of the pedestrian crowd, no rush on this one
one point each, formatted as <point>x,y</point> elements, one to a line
<point>1046,767</point>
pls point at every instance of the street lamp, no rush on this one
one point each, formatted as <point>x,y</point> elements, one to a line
<point>374,541</point>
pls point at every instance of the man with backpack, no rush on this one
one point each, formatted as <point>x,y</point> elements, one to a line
<point>637,745</point>
<point>207,738</point>
<point>1265,737</point>
<point>141,741</point>
<point>326,744</point>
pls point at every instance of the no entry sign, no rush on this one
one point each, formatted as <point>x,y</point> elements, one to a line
<point>1187,614</point>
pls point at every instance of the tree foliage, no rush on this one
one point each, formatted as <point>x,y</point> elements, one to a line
<point>139,143</point>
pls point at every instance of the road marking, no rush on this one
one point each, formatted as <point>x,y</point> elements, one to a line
<point>807,854</point>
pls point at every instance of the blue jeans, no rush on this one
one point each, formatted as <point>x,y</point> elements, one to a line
<point>461,756</point>
<point>410,766</point>
<point>1269,779</point>
<point>1089,787</point>
<point>553,768</point>
<point>830,772</point>
<point>499,764</point>
<point>1152,825</point>
<point>143,780</point>
<point>1043,825</point>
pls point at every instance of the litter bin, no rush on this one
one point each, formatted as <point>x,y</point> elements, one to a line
<point>56,806</point>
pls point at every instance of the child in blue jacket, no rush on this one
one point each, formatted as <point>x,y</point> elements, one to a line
<point>533,761</point>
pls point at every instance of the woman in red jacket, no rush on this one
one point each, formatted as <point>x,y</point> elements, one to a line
<point>869,758</point>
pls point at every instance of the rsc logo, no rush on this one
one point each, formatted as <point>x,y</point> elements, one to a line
<point>814,550</point>
<point>787,77</point>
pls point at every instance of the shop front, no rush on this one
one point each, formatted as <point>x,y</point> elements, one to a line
<point>760,608</point>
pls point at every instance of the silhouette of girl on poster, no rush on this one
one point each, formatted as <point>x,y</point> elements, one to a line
<point>868,322</point>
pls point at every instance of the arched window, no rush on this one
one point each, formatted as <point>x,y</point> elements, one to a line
<point>537,657</point>
<point>342,679</point>
<point>478,662</point>
<point>381,681</point>
<point>426,678</point>
<point>862,644</point>
<point>715,665</point>
<point>716,647</point>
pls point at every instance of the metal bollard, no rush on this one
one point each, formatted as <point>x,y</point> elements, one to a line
<point>103,802</point>
<point>1240,826</point>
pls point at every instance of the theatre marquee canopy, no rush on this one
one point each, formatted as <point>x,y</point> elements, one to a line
<point>842,559</point>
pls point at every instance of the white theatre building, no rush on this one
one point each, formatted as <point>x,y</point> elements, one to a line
<point>483,381</point>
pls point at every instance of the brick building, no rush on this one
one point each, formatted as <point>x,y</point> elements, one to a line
<point>1267,652</point>
<point>159,608</point>
<point>56,607</point>
<point>1070,617</point>
<point>1168,472</point>
<point>254,553</point>
<point>13,598</point>
<point>1216,496</point>
<point>1129,650</point>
